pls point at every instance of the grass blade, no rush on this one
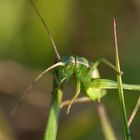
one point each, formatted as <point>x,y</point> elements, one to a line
<point>53,118</point>
<point>120,88</point>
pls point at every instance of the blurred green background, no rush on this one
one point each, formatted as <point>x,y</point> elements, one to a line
<point>82,28</point>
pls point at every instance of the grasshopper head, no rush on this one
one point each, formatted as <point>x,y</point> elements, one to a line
<point>66,71</point>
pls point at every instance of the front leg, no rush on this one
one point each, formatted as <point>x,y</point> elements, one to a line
<point>78,87</point>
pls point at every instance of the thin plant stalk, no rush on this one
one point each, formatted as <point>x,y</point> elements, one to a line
<point>54,114</point>
<point>134,112</point>
<point>105,123</point>
<point>120,89</point>
<point>78,100</point>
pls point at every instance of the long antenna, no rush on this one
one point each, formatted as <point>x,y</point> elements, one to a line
<point>32,84</point>
<point>47,29</point>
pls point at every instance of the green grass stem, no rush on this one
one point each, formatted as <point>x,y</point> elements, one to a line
<point>120,89</point>
<point>53,118</point>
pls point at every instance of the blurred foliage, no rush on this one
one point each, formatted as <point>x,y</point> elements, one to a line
<point>80,28</point>
<point>22,35</point>
<point>6,132</point>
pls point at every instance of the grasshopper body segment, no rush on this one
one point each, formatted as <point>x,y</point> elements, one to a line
<point>81,68</point>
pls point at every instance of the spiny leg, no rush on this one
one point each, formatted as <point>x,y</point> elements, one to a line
<point>105,61</point>
<point>110,84</point>
<point>78,87</point>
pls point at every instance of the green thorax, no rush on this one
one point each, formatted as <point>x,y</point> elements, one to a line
<point>83,70</point>
<point>79,66</point>
<point>86,74</point>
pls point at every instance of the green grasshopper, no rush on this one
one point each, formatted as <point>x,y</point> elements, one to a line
<point>86,73</point>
